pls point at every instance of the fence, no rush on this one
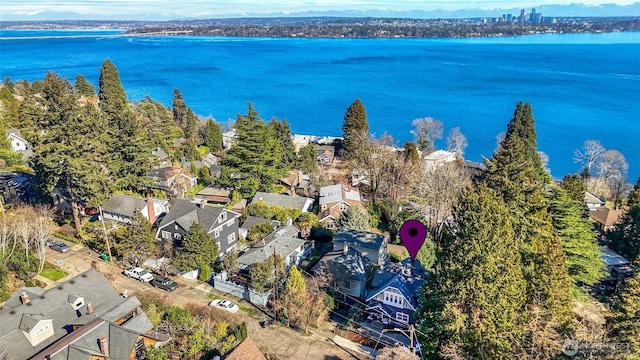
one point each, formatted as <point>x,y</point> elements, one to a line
<point>240,291</point>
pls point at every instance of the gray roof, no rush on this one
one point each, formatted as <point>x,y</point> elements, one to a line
<point>285,201</point>
<point>124,204</point>
<point>284,240</point>
<point>54,304</point>
<point>254,220</point>
<point>337,192</point>
<point>351,265</point>
<point>160,154</point>
<point>359,238</point>
<point>185,213</point>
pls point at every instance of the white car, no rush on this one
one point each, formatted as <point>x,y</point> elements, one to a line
<point>139,274</point>
<point>224,305</point>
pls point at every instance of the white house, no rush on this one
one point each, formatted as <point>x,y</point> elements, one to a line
<point>438,158</point>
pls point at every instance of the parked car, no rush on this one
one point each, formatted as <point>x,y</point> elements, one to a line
<point>139,273</point>
<point>224,305</point>
<point>163,283</point>
<point>59,246</point>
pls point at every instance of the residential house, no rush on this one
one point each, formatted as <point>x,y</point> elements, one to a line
<point>334,200</point>
<point>215,195</point>
<point>394,292</point>
<point>207,161</point>
<point>291,181</point>
<point>300,141</point>
<point>221,224</point>
<point>371,245</point>
<point>247,350</point>
<point>348,269</point>
<point>593,202</point>
<point>254,220</point>
<point>326,154</point>
<point>438,158</point>
<point>82,318</point>
<point>18,144</point>
<point>605,218</point>
<point>284,242</point>
<point>616,264</point>
<point>174,181</point>
<point>160,158</point>
<point>18,187</point>
<point>120,208</point>
<point>228,139</point>
<point>304,204</point>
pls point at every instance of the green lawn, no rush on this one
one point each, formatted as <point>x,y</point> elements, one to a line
<point>54,274</point>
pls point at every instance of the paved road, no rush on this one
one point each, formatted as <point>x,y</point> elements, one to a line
<point>280,341</point>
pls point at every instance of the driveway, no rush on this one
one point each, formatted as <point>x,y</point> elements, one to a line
<point>281,342</point>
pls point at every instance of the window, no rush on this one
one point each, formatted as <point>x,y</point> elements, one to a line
<point>346,284</point>
<point>166,235</point>
<point>402,317</point>
<point>324,206</point>
<point>223,216</point>
<point>175,226</point>
<point>216,233</point>
<point>343,206</point>
<point>231,238</point>
<point>177,236</point>
<point>230,222</point>
<point>41,329</point>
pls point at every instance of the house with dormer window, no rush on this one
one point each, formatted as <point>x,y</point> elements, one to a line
<point>393,295</point>
<point>219,223</point>
<point>334,200</point>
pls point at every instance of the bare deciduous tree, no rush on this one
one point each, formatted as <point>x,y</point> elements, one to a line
<point>544,161</point>
<point>619,185</point>
<point>42,230</point>
<point>7,241</point>
<point>588,154</point>
<point>611,163</point>
<point>436,190</point>
<point>426,131</point>
<point>456,141</point>
<point>22,227</point>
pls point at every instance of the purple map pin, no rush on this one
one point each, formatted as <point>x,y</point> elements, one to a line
<point>413,233</point>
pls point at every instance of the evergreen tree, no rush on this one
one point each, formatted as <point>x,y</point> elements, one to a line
<point>515,172</point>
<point>625,321</point>
<point>157,122</point>
<point>625,236</point>
<point>137,240</point>
<point>70,152</point>
<point>252,163</point>
<point>197,251</point>
<point>10,108</point>
<point>579,240</point>
<point>354,218</point>
<point>574,186</point>
<point>475,298</point>
<point>213,136</point>
<point>183,116</point>
<point>83,87</point>
<point>282,134</point>
<point>130,148</point>
<point>356,131</point>
<point>411,153</point>
<point>293,296</point>
<point>307,160</point>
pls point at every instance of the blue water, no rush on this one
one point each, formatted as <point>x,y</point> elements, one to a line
<point>581,86</point>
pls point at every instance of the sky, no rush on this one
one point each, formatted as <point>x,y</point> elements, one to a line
<point>176,9</point>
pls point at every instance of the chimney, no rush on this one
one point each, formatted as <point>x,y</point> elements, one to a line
<point>24,298</point>
<point>151,210</point>
<point>89,309</point>
<point>345,249</point>
<point>203,203</point>
<point>289,221</point>
<point>104,346</point>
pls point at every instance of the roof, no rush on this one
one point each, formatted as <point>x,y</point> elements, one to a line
<point>351,265</point>
<point>589,198</point>
<point>247,350</point>
<point>254,220</point>
<point>285,241</point>
<point>359,238</point>
<point>605,216</point>
<point>440,155</point>
<point>336,193</point>
<point>397,276</point>
<point>159,154</point>
<point>185,213</point>
<point>124,204</point>
<point>54,304</point>
<point>286,201</point>
<point>612,258</point>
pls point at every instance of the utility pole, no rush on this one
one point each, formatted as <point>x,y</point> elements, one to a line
<point>106,236</point>
<point>411,335</point>
<point>275,286</point>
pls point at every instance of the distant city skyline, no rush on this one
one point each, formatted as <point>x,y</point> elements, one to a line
<point>172,9</point>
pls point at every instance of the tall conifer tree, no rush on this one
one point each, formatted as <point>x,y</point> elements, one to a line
<point>625,236</point>
<point>356,131</point>
<point>625,322</point>
<point>475,298</point>
<point>515,172</point>
<point>213,135</point>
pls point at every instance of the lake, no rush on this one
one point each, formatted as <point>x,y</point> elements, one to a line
<point>581,86</point>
